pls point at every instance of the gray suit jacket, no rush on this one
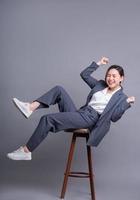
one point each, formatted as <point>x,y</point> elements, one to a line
<point>113,111</point>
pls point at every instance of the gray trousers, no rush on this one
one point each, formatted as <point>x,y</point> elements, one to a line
<point>68,117</point>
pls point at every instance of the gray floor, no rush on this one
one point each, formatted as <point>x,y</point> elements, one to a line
<point>40,180</point>
<point>35,180</point>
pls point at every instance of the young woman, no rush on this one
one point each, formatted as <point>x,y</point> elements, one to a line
<point>106,102</point>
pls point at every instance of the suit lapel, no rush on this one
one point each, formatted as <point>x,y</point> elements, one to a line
<point>97,88</point>
<point>114,99</point>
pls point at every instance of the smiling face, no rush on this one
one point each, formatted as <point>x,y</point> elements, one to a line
<point>113,79</point>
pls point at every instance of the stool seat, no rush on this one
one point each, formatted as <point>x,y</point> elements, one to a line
<point>68,173</point>
<point>81,130</point>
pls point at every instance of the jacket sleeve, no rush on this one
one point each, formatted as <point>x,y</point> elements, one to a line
<point>119,110</point>
<point>86,75</point>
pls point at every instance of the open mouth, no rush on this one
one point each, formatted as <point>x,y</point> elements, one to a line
<point>110,83</point>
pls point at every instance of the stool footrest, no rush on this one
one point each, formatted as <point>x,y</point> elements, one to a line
<point>79,174</point>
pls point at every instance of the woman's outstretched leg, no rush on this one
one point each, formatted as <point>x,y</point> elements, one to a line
<point>54,123</point>
<point>56,95</point>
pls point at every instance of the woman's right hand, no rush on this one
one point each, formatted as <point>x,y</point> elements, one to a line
<point>103,61</point>
<point>131,99</point>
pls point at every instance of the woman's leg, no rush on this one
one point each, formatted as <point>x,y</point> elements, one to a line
<point>54,123</point>
<point>57,95</point>
<point>51,122</point>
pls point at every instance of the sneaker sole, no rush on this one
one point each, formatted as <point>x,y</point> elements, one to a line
<point>18,158</point>
<point>14,101</point>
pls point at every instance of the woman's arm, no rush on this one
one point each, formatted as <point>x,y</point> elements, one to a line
<point>86,73</point>
<point>120,109</point>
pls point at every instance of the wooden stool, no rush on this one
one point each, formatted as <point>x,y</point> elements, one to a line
<point>68,173</point>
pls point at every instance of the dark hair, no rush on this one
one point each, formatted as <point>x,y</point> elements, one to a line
<point>117,67</point>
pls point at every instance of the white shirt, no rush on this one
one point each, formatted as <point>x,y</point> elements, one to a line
<point>100,99</point>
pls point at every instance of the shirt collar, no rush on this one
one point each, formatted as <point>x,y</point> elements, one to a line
<point>105,90</point>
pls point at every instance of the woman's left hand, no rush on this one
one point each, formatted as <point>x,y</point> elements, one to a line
<point>103,61</point>
<point>131,99</point>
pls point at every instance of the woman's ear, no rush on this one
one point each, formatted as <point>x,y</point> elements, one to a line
<point>122,78</point>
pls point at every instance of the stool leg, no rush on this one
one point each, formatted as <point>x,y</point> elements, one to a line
<point>67,172</point>
<point>90,173</point>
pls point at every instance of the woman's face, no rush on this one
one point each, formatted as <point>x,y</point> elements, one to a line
<point>113,79</point>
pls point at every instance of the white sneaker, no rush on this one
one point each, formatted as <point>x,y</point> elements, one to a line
<point>20,154</point>
<point>24,107</point>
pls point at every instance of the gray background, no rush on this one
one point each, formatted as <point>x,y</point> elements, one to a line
<point>47,43</point>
